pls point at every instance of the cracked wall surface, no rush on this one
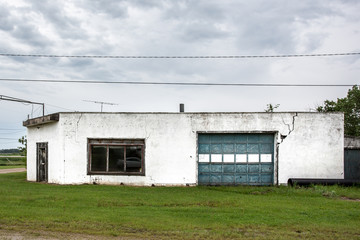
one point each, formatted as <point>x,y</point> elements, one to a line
<point>290,126</point>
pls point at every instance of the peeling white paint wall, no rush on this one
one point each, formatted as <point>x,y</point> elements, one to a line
<point>51,134</point>
<point>311,145</point>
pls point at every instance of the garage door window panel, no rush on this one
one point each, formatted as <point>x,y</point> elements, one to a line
<point>204,148</point>
<point>230,138</point>
<point>228,148</point>
<point>241,139</point>
<point>253,148</point>
<point>266,148</point>
<point>216,138</point>
<point>204,158</point>
<point>229,158</point>
<point>267,138</point>
<point>229,168</point>
<point>240,148</point>
<point>241,158</point>
<point>253,138</point>
<point>266,158</point>
<point>241,179</point>
<point>216,148</point>
<point>253,158</point>
<point>216,158</point>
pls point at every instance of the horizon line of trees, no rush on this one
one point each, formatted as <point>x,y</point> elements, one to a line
<point>10,150</point>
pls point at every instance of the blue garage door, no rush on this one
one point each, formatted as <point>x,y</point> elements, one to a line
<point>234,159</point>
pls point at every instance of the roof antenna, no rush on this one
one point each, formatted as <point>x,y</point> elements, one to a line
<point>102,103</point>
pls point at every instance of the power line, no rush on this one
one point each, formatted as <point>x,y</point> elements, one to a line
<point>177,83</point>
<point>11,132</point>
<point>11,129</point>
<point>60,107</point>
<point>181,57</point>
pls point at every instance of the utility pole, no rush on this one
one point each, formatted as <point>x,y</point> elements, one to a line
<point>7,98</point>
<point>102,103</point>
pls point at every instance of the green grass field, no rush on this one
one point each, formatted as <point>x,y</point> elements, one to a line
<point>180,212</point>
<point>10,153</point>
<point>12,166</point>
<point>12,161</point>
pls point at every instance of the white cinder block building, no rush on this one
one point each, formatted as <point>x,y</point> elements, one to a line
<point>184,148</point>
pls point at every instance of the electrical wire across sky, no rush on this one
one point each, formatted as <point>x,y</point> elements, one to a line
<point>167,57</point>
<point>176,57</point>
<point>175,83</point>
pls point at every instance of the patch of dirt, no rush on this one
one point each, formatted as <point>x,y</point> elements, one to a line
<point>44,235</point>
<point>350,199</point>
<point>12,170</point>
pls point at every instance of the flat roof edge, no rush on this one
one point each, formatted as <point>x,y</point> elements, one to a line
<point>291,112</point>
<point>41,120</point>
<point>56,116</point>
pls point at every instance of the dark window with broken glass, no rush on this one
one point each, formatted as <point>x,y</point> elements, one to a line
<point>116,156</point>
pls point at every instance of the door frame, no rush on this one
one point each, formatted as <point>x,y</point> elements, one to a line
<point>39,146</point>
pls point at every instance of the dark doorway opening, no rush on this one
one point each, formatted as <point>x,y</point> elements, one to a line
<point>42,162</point>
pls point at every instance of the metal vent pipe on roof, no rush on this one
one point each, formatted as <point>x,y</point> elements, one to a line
<point>182,107</point>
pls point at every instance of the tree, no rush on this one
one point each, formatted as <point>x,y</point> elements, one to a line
<point>23,149</point>
<point>271,108</point>
<point>350,106</point>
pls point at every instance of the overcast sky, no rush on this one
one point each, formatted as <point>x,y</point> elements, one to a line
<point>173,28</point>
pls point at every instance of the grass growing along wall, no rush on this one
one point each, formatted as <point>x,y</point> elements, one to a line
<point>180,212</point>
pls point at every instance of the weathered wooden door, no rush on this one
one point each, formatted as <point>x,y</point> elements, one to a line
<point>42,162</point>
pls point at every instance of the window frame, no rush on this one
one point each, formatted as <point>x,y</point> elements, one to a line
<point>115,142</point>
